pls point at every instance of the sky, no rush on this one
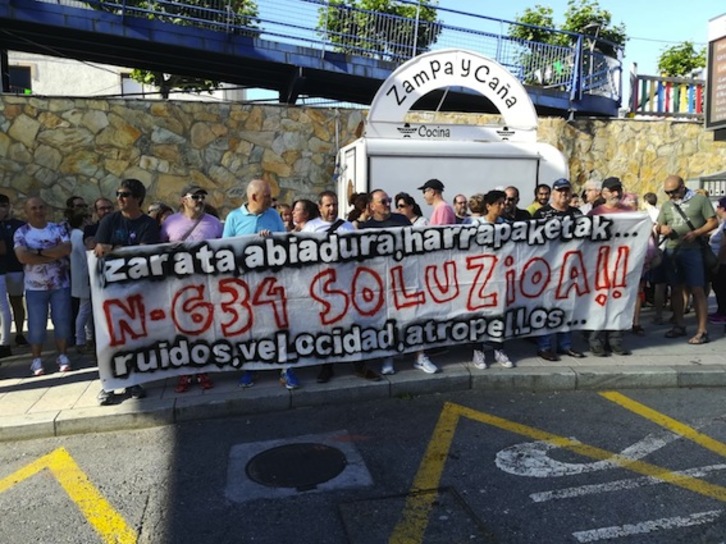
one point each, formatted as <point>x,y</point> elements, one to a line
<point>651,25</point>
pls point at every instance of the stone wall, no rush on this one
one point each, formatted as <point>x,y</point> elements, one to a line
<point>56,147</point>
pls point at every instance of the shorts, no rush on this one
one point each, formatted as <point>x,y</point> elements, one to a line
<point>15,282</point>
<point>684,267</point>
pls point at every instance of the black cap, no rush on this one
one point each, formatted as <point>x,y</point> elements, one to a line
<point>434,184</point>
<point>193,190</point>
<point>612,183</point>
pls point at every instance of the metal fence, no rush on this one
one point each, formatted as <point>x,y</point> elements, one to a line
<point>327,26</point>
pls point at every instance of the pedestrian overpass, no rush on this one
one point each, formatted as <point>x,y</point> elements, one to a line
<point>310,49</point>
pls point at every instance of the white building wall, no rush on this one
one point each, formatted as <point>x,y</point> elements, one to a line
<point>55,76</point>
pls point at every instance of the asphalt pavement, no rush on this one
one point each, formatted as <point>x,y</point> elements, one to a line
<point>58,404</point>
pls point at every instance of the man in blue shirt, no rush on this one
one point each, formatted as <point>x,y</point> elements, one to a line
<point>258,217</point>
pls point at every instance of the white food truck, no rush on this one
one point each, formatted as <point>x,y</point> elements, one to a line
<point>396,155</point>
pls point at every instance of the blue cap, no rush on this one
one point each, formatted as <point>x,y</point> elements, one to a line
<point>562,183</point>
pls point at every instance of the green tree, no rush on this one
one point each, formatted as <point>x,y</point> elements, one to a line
<point>542,29</point>
<point>361,27</point>
<point>586,17</point>
<point>239,16</point>
<point>681,60</point>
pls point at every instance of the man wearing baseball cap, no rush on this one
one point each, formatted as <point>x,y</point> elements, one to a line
<point>550,346</point>
<point>191,223</point>
<point>444,213</point>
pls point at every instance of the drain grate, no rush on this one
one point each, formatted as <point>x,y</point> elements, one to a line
<point>301,466</point>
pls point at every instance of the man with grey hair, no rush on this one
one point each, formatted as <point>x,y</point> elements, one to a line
<point>258,216</point>
<point>590,195</point>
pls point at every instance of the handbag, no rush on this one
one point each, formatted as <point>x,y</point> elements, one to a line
<point>710,259</point>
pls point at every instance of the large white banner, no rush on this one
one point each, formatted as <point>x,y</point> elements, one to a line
<point>262,303</point>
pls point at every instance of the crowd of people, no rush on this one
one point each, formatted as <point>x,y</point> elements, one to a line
<point>43,264</point>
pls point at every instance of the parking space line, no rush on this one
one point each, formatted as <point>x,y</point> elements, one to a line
<point>414,519</point>
<point>667,422</point>
<point>107,522</point>
<point>630,529</point>
<point>617,485</point>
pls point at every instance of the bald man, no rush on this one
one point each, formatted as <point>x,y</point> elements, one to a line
<point>258,216</point>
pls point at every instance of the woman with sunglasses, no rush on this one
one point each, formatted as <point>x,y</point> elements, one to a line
<point>406,205</point>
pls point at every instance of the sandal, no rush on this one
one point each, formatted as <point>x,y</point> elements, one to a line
<point>675,332</point>
<point>638,330</point>
<point>182,385</point>
<point>205,382</point>
<point>700,338</point>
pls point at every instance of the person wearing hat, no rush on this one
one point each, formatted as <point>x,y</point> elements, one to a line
<point>718,245</point>
<point>128,226</point>
<point>550,345</point>
<point>191,224</point>
<point>443,213</point>
<point>612,195</point>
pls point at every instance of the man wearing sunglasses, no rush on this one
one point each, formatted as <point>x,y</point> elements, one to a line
<point>683,258</point>
<point>511,211</point>
<point>129,226</point>
<point>191,224</point>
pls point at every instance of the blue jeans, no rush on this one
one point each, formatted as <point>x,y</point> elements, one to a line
<point>59,301</point>
<point>561,341</point>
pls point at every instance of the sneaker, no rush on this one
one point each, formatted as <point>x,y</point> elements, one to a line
<point>387,367</point>
<point>5,351</point>
<point>247,379</point>
<point>105,397</point>
<point>501,358</point>
<point>424,363</point>
<point>20,340</point>
<point>64,365</point>
<point>288,379</point>
<point>205,382</point>
<point>136,392</point>
<point>182,384</point>
<point>479,359</point>
<point>717,319</point>
<point>36,367</point>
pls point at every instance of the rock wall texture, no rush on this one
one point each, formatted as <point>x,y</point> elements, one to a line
<point>56,147</point>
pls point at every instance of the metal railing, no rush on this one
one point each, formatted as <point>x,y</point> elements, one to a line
<point>328,27</point>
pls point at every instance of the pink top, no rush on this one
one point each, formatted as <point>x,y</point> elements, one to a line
<point>443,215</point>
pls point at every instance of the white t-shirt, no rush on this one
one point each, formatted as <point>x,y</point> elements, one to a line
<point>46,276</point>
<point>319,225</point>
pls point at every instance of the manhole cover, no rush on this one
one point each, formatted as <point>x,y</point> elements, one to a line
<point>301,466</point>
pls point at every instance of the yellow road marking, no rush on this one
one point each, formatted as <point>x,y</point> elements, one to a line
<point>411,527</point>
<point>667,422</point>
<point>109,524</point>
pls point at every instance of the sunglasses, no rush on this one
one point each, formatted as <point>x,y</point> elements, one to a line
<point>401,205</point>
<point>384,201</point>
<point>674,191</point>
<point>508,199</point>
<point>123,194</point>
<point>197,197</point>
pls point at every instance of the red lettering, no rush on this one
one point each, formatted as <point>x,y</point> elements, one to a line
<point>237,307</point>
<point>367,291</point>
<point>272,293</point>
<point>191,313</point>
<point>573,275</point>
<point>334,301</point>
<point>442,289</point>
<point>484,267</point>
<point>401,297</point>
<point>125,319</point>
<point>535,277</point>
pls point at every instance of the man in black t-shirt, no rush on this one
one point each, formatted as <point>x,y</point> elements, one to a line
<point>129,226</point>
<point>550,345</point>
